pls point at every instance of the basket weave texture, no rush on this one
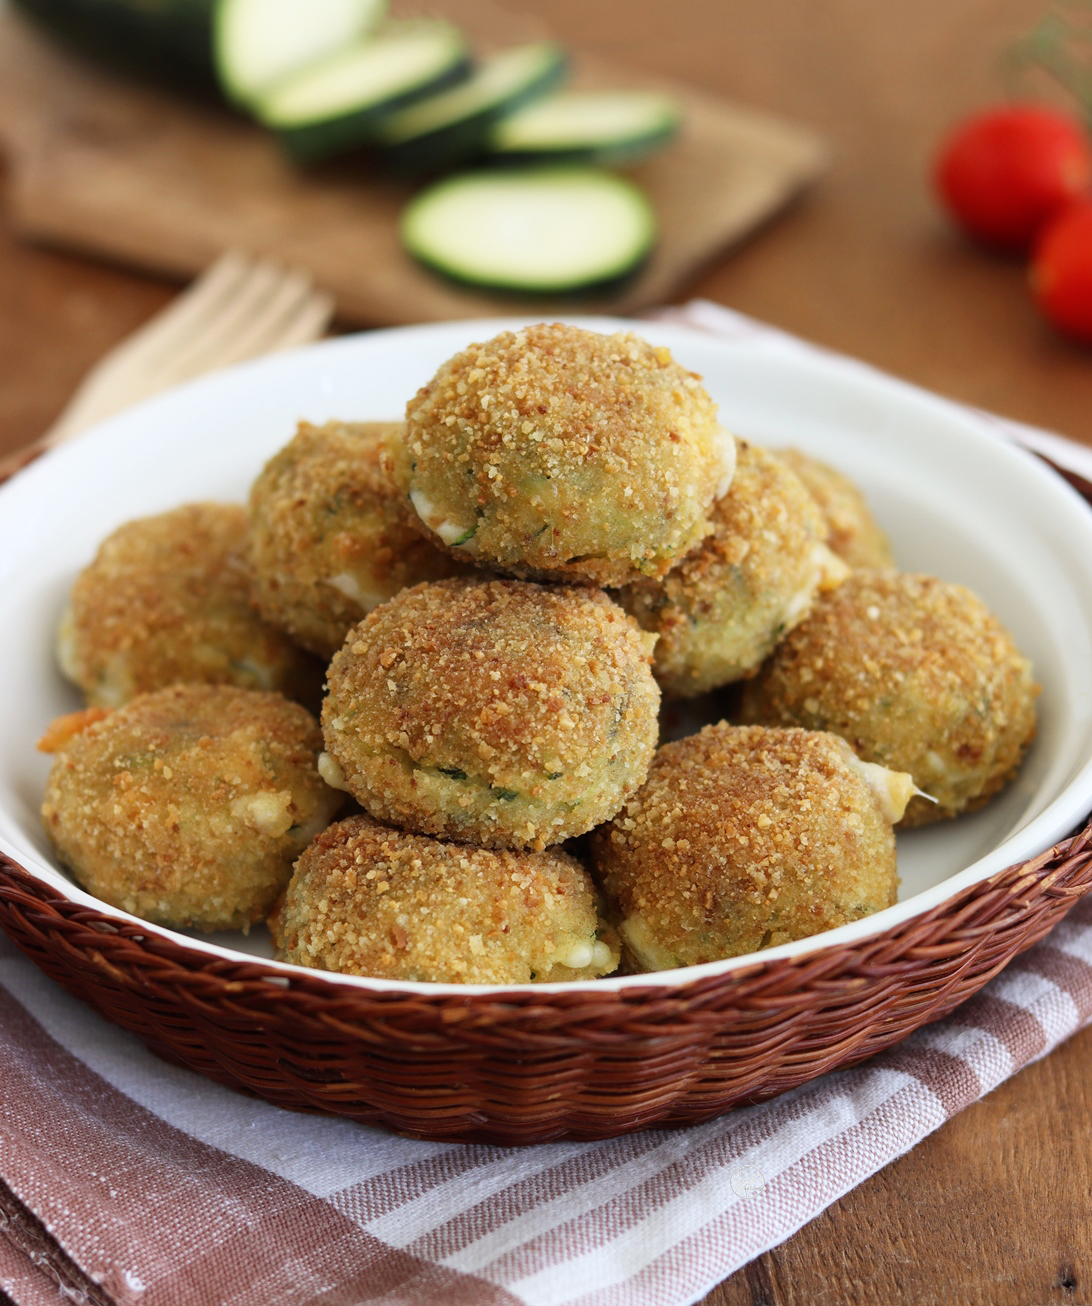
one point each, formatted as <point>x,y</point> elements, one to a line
<point>527,1066</point>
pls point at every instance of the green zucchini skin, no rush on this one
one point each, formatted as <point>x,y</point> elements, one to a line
<point>603,288</point>
<point>163,41</point>
<point>457,141</point>
<point>338,104</point>
<point>622,154</point>
<point>569,130</point>
<point>322,140</point>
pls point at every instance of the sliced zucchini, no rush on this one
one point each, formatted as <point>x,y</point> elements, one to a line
<point>445,129</point>
<point>548,230</point>
<point>258,42</point>
<point>604,127</point>
<point>337,103</point>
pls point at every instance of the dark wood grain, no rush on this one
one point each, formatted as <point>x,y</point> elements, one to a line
<point>992,1210</point>
<point>996,1207</point>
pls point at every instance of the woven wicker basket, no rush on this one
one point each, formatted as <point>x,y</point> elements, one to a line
<point>528,1066</point>
<point>531,1065</point>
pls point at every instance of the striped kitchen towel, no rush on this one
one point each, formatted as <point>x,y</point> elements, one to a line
<point>124,1180</point>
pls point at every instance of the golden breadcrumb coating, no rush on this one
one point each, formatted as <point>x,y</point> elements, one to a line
<point>563,454</point>
<point>497,712</point>
<point>743,838</point>
<point>189,805</point>
<point>168,599</point>
<point>368,900</point>
<point>917,674</point>
<point>328,537</point>
<point>854,535</point>
<point>725,606</point>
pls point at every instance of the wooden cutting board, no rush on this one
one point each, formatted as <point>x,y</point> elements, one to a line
<point>101,165</point>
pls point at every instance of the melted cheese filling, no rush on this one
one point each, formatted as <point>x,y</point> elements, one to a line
<point>726,442</point>
<point>349,585</point>
<point>893,789</point>
<point>582,953</point>
<point>448,530</point>
<point>330,770</point>
<point>644,945</point>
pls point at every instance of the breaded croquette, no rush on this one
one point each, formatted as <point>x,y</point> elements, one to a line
<point>854,534</point>
<point>496,712</point>
<point>916,674</point>
<point>368,900</point>
<point>189,805</point>
<point>328,537</point>
<point>743,838</point>
<point>729,601</point>
<point>561,454</point>
<point>168,599</point>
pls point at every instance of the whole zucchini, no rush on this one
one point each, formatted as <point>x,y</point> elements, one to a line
<point>165,41</point>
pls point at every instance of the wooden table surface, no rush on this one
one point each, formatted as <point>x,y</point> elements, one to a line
<point>996,1207</point>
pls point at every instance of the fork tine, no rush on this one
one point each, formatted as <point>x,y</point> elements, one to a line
<point>238,308</point>
<point>265,304</point>
<point>309,322</point>
<point>215,344</point>
<point>123,369</point>
<point>202,299</point>
<point>262,332</point>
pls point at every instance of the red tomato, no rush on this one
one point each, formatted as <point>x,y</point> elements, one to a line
<point>1061,271</point>
<point>1003,173</point>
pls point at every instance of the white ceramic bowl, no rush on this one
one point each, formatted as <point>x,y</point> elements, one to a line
<point>956,501</point>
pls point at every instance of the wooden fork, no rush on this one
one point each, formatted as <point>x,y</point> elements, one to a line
<point>239,308</point>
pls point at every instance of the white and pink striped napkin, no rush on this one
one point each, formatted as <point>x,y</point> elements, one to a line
<point>125,1180</point>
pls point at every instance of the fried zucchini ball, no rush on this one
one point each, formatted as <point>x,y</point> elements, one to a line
<point>328,539</point>
<point>496,712</point>
<point>189,805</point>
<point>918,675</point>
<point>368,900</point>
<point>561,454</point>
<point>743,838</point>
<point>729,601</point>
<point>854,535</point>
<point>168,599</point>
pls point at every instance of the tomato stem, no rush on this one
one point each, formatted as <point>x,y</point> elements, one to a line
<point>1061,46</point>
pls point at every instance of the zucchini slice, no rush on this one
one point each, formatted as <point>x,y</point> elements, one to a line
<point>610,128</point>
<point>258,42</point>
<point>337,103</point>
<point>443,130</point>
<point>544,230</point>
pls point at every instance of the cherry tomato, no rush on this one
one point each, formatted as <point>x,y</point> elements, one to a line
<point>1061,271</point>
<point>1003,173</point>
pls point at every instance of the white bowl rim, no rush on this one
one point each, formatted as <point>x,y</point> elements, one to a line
<point>1062,815</point>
